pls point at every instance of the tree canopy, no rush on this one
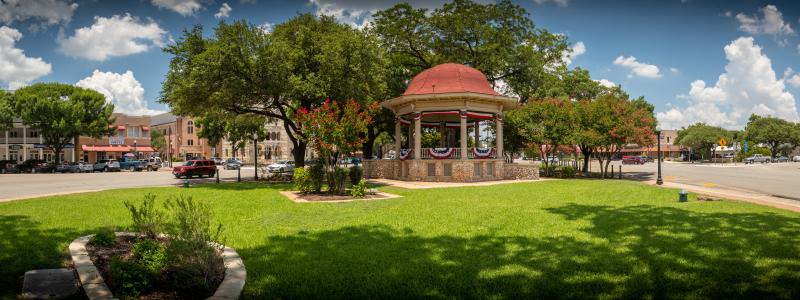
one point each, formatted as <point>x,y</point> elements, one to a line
<point>6,111</point>
<point>243,70</point>
<point>772,132</point>
<point>61,112</point>
<point>702,137</point>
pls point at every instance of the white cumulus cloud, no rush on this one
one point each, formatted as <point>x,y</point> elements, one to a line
<point>224,11</point>
<point>638,68</point>
<point>578,49</point>
<point>771,23</point>
<point>791,78</point>
<point>748,86</point>
<point>358,13</point>
<point>267,27</point>
<point>48,12</point>
<point>114,36</point>
<point>17,69</point>
<point>183,7</point>
<point>606,83</point>
<point>122,90</point>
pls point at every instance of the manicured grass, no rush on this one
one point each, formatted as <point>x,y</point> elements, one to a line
<point>555,239</point>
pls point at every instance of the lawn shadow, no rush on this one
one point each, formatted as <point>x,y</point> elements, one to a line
<point>24,247</point>
<point>243,186</point>
<point>633,252</point>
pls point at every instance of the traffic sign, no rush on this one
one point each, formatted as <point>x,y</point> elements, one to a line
<point>723,142</point>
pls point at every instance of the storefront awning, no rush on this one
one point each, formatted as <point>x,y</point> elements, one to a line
<point>124,148</point>
<point>120,127</point>
<point>145,128</point>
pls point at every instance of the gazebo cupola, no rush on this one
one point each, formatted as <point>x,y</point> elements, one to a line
<point>451,99</point>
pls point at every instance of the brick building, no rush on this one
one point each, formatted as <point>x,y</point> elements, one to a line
<point>181,137</point>
<point>274,147</point>
<point>131,135</point>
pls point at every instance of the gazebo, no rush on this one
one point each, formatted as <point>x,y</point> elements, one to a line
<point>457,106</point>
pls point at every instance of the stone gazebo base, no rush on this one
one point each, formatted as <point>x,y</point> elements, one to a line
<point>448,170</point>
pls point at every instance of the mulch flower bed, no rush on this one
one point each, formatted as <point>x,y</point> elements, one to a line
<point>123,248</point>
<point>331,197</point>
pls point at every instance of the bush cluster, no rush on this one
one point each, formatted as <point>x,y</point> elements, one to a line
<point>559,171</point>
<point>302,180</point>
<point>191,259</point>
<point>359,190</point>
<point>104,237</point>
<point>317,176</point>
<point>337,180</point>
<point>356,173</point>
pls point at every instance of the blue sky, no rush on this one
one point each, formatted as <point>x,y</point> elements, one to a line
<point>710,61</point>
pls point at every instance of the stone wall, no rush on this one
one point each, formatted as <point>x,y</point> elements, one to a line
<point>521,172</point>
<point>380,168</point>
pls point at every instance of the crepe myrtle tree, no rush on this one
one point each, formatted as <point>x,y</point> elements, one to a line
<point>335,130</point>
<point>62,112</point>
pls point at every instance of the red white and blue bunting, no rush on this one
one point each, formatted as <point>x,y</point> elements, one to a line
<point>483,152</point>
<point>441,153</point>
<point>404,154</point>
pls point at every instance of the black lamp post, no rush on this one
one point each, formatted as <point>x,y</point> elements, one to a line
<point>255,156</point>
<point>135,153</point>
<point>659,181</point>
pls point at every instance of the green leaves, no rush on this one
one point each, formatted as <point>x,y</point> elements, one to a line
<point>6,111</point>
<point>772,131</point>
<point>61,112</point>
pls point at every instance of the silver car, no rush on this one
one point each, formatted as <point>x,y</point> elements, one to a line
<point>283,166</point>
<point>80,167</point>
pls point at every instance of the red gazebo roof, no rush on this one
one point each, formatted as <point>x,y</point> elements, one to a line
<point>450,78</point>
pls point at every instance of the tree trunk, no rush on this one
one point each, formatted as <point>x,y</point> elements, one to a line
<point>587,153</point>
<point>368,146</point>
<point>299,153</point>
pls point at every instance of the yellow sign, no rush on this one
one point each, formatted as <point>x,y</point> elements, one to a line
<point>722,142</point>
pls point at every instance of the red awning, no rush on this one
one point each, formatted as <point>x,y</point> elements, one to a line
<point>106,148</point>
<point>120,127</point>
<point>144,149</point>
<point>145,128</point>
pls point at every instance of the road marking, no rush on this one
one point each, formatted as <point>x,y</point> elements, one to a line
<point>709,184</point>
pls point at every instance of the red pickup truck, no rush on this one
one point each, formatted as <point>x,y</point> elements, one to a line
<point>195,167</point>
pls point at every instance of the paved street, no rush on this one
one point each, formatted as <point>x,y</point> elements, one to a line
<point>777,179</point>
<point>15,186</point>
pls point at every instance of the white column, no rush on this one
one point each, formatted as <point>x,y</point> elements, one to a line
<point>41,151</point>
<point>24,143</point>
<point>477,133</point>
<point>499,135</point>
<point>398,136</point>
<point>417,135</point>
<point>6,146</point>
<point>463,136</point>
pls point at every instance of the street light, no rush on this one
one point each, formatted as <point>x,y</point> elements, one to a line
<point>134,150</point>
<point>659,181</point>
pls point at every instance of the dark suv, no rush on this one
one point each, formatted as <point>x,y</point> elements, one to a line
<point>8,166</point>
<point>35,166</point>
<point>197,167</point>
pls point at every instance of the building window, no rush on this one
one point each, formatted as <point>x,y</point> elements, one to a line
<point>134,131</point>
<point>12,134</point>
<point>190,142</point>
<point>190,127</point>
<point>667,140</point>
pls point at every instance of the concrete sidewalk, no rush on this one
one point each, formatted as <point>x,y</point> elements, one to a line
<point>737,195</point>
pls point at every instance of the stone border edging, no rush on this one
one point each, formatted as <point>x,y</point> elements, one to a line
<point>296,197</point>
<point>96,289</point>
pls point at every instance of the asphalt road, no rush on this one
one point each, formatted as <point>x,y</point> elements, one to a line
<point>16,186</point>
<point>776,179</point>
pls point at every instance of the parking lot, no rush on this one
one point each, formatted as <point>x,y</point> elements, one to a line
<point>16,186</point>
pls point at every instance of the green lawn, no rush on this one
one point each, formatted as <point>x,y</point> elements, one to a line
<point>554,239</point>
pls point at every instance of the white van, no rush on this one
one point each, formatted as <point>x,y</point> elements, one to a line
<point>153,163</point>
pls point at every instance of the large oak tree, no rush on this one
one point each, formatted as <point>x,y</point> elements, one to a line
<point>242,69</point>
<point>62,112</point>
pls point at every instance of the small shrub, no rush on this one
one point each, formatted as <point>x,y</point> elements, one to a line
<point>147,219</point>
<point>104,238</point>
<point>193,252</point>
<point>337,181</point>
<point>302,180</point>
<point>150,254</point>
<point>128,278</point>
<point>317,177</point>
<point>356,173</point>
<point>568,172</point>
<point>359,190</point>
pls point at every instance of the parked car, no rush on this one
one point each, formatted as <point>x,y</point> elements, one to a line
<point>781,159</point>
<point>153,163</point>
<point>796,158</point>
<point>8,166</point>
<point>131,164</point>
<point>218,161</point>
<point>196,167</point>
<point>80,167</point>
<point>62,167</point>
<point>552,159</point>
<point>283,166</point>
<point>232,164</point>
<point>636,160</point>
<point>106,165</point>
<point>757,158</point>
<point>35,166</point>
<point>645,159</point>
